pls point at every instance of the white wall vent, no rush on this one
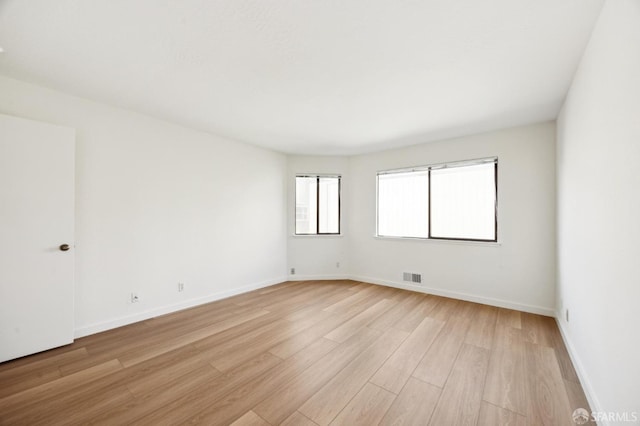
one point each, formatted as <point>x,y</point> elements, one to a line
<point>412,278</point>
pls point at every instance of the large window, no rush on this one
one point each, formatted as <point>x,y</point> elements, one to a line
<point>454,201</point>
<point>317,205</point>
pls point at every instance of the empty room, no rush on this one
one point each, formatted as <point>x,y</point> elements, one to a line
<point>320,212</point>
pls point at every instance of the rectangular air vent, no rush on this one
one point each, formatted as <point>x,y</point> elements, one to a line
<point>411,277</point>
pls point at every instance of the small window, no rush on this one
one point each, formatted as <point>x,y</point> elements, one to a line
<point>453,201</point>
<point>317,205</point>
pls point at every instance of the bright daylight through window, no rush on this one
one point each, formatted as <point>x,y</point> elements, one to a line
<point>317,205</point>
<point>453,201</point>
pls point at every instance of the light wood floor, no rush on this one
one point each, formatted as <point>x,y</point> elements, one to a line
<point>306,353</point>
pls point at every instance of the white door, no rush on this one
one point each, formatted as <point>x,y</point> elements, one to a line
<point>36,220</point>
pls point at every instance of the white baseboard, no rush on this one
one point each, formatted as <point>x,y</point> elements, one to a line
<point>141,316</point>
<point>151,313</point>
<point>580,371</point>
<point>541,310</point>
<point>317,277</point>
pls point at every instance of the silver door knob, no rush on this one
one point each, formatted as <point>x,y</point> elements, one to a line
<point>64,247</point>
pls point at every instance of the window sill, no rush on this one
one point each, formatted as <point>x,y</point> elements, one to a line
<point>442,241</point>
<point>317,235</point>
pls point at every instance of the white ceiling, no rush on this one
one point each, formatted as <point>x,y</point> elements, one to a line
<point>303,76</point>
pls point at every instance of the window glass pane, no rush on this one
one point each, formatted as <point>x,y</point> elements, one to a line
<point>329,210</point>
<point>306,201</point>
<point>463,202</point>
<point>403,204</point>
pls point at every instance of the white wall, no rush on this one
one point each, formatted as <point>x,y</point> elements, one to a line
<point>158,204</point>
<point>316,257</point>
<point>518,273</point>
<point>599,212</point>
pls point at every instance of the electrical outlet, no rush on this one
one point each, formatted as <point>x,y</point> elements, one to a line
<point>566,314</point>
<point>293,271</point>
<point>134,298</point>
<point>337,264</point>
<point>180,287</point>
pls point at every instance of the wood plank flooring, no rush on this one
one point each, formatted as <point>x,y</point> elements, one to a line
<point>306,353</point>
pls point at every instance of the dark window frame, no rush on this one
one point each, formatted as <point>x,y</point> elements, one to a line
<point>318,177</point>
<point>465,163</point>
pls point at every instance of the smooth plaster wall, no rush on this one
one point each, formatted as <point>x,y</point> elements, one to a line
<point>518,272</point>
<point>599,212</point>
<point>158,204</point>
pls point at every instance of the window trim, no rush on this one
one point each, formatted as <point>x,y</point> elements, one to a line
<point>317,176</point>
<point>428,168</point>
